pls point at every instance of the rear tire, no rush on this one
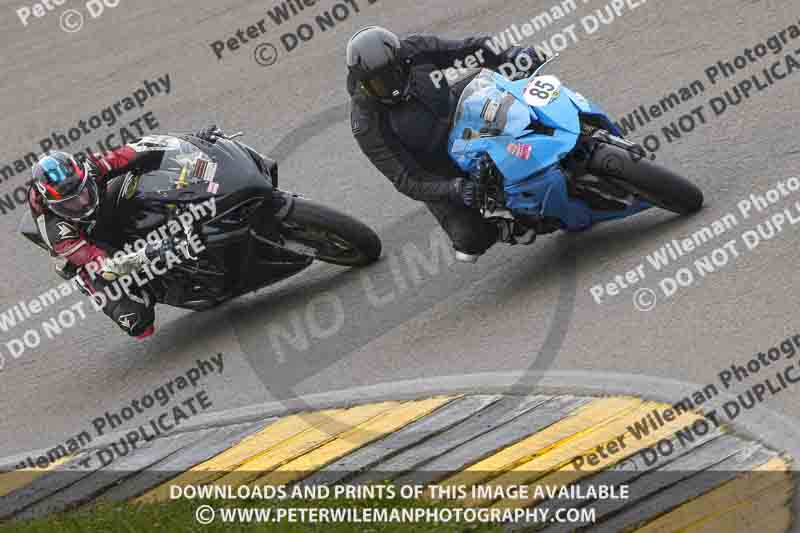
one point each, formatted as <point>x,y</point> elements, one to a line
<point>336,238</point>
<point>653,183</point>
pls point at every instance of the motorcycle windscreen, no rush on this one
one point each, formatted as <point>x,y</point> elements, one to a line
<point>500,108</point>
<point>486,114</point>
<point>183,167</point>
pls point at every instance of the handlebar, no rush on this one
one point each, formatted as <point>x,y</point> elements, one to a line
<point>194,133</point>
<point>547,62</point>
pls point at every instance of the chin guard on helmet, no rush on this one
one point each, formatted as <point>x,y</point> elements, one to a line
<point>67,188</point>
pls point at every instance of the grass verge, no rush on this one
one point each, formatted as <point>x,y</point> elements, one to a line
<point>180,516</point>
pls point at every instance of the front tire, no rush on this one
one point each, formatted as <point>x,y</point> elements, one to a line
<point>651,182</point>
<point>318,231</point>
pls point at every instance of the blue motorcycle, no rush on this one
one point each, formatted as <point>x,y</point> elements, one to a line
<point>551,159</point>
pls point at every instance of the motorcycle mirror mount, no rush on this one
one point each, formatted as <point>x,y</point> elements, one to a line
<point>547,62</point>
<point>228,137</point>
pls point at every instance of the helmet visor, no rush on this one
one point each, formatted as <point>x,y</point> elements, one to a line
<point>388,83</point>
<point>80,205</point>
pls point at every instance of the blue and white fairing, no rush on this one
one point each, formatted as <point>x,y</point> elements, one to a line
<point>528,126</point>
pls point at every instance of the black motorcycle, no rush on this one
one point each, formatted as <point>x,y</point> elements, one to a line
<point>258,235</point>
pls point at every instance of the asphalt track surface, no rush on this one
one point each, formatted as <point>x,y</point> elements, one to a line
<point>522,309</point>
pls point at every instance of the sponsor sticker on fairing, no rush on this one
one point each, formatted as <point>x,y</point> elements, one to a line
<point>204,170</point>
<point>520,150</point>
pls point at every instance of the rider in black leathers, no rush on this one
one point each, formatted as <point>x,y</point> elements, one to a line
<point>401,113</point>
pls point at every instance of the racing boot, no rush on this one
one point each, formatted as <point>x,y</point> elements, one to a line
<point>512,232</point>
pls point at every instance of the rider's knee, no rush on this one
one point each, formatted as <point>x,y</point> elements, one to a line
<point>470,233</point>
<point>471,238</point>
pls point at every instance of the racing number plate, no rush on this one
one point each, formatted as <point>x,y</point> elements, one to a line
<point>542,90</point>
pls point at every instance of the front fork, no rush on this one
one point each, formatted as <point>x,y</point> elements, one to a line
<point>494,201</point>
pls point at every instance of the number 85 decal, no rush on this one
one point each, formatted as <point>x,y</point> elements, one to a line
<point>542,90</point>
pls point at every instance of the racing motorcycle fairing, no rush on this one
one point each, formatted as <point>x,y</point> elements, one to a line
<point>527,128</point>
<point>247,233</point>
<point>243,185</point>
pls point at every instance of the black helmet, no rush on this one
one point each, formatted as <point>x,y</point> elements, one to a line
<point>68,188</point>
<point>373,59</point>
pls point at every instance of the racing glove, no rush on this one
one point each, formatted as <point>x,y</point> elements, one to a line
<point>210,134</point>
<point>126,265</point>
<point>536,57</point>
<point>534,60</point>
<point>465,192</point>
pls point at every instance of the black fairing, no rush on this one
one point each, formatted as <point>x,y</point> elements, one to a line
<point>233,261</point>
<point>238,175</point>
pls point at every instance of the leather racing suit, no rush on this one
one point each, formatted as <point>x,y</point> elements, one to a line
<point>77,242</point>
<point>408,141</point>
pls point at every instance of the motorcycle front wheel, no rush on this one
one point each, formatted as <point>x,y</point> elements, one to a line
<point>645,179</point>
<point>325,234</point>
